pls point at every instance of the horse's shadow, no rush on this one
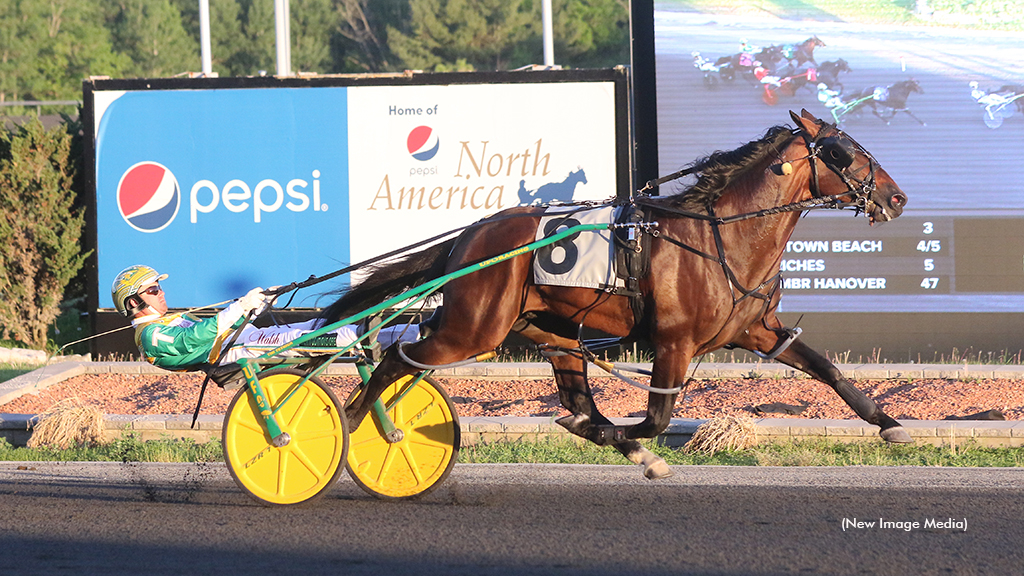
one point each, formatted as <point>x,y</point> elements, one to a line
<point>546,193</point>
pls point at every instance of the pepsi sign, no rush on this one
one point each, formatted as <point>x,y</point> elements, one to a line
<point>423,143</point>
<point>222,190</point>
<point>227,188</point>
<point>148,197</point>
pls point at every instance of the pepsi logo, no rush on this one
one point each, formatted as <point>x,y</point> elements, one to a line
<point>148,197</point>
<point>422,143</point>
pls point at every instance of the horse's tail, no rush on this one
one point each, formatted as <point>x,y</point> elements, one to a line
<point>391,279</point>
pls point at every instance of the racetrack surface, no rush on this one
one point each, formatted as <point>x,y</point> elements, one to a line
<point>109,518</point>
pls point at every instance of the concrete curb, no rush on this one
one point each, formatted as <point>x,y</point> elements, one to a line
<point>17,427</point>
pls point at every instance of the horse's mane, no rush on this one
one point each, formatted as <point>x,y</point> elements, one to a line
<point>721,168</point>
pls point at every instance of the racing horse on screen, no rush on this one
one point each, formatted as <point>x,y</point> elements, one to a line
<point>712,281</point>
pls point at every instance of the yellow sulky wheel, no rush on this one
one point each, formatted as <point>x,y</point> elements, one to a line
<point>426,452</point>
<point>304,468</point>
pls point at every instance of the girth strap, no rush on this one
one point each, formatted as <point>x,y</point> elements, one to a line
<point>632,257</point>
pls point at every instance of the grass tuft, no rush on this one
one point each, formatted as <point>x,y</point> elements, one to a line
<point>723,433</point>
<point>67,423</point>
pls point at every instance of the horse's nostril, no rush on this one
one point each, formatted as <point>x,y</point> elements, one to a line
<point>898,200</point>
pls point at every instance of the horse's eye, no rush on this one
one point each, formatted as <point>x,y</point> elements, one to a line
<point>838,152</point>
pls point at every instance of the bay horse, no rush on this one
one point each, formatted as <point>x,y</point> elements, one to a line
<point>748,64</point>
<point>888,101</point>
<point>802,52</point>
<point>713,281</point>
<point>828,73</point>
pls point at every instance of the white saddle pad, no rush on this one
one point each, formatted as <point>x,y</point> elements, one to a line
<point>582,260</point>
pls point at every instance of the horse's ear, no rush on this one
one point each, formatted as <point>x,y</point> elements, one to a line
<point>806,122</point>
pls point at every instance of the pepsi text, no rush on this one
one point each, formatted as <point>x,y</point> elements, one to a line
<point>236,194</point>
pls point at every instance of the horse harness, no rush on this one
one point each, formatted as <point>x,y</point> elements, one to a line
<point>836,151</point>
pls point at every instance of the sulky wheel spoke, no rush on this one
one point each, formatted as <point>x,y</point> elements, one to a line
<point>250,426</point>
<point>389,460</point>
<point>303,405</point>
<point>367,441</point>
<point>282,470</point>
<point>299,455</point>
<point>432,444</point>
<point>412,463</point>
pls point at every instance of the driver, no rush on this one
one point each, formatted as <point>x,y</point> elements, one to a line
<point>182,341</point>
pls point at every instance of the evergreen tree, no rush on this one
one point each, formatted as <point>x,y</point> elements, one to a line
<point>590,33</point>
<point>312,25</point>
<point>49,46</point>
<point>504,34</point>
<point>151,34</point>
<point>39,228</point>
<point>459,34</point>
<point>360,44</point>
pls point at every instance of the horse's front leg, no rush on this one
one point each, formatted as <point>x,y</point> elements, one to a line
<point>911,114</point>
<point>668,371</point>
<point>802,357</point>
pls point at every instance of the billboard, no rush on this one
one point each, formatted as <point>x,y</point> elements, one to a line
<point>942,110</point>
<point>226,184</point>
<point>916,104</point>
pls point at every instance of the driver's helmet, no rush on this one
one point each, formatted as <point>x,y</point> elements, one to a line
<point>128,283</point>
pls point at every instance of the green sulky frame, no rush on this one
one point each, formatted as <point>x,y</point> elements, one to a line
<point>252,366</point>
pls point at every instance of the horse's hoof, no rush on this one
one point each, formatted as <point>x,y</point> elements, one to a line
<point>896,435</point>
<point>657,470</point>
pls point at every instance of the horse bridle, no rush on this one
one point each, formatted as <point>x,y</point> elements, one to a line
<point>837,150</point>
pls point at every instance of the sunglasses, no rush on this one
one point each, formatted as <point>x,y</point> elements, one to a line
<point>152,290</point>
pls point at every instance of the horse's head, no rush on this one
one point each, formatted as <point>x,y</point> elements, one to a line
<point>851,173</point>
<point>842,66</point>
<point>912,86</point>
<point>771,55</point>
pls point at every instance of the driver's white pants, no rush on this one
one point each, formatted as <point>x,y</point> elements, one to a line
<point>253,341</point>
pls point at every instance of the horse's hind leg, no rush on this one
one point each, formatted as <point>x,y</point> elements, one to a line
<point>451,342</point>
<point>802,357</point>
<point>575,394</point>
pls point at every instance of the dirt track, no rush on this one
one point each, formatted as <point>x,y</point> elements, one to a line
<point>901,398</point>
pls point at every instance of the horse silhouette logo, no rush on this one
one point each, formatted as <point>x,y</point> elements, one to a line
<point>546,193</point>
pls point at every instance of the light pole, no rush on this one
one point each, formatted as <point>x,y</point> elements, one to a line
<point>283,34</point>
<point>549,42</point>
<point>204,37</point>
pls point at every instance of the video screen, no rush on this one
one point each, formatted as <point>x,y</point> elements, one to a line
<point>941,109</point>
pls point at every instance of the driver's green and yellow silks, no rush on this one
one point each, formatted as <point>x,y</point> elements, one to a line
<point>182,341</point>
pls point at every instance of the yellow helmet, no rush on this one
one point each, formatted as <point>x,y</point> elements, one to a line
<point>128,283</point>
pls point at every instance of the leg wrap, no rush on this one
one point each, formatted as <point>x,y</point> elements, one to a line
<point>861,404</point>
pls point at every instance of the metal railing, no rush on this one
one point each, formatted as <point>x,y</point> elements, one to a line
<point>38,104</point>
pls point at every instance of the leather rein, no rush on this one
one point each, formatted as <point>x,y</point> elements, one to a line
<point>834,152</point>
